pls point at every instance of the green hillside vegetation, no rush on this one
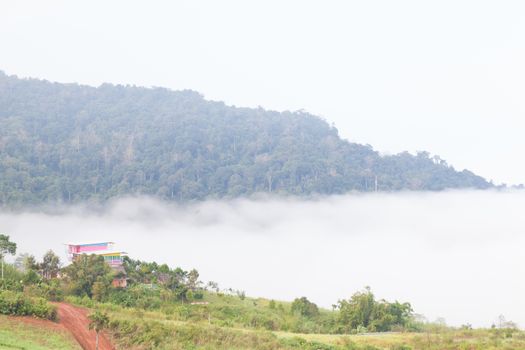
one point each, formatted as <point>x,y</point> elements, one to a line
<point>170,308</point>
<point>69,143</point>
<point>172,291</point>
<point>181,327</point>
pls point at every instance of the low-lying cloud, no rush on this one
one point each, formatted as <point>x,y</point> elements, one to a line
<point>457,255</point>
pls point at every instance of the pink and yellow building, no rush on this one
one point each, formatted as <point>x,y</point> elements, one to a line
<point>112,257</point>
<point>105,249</point>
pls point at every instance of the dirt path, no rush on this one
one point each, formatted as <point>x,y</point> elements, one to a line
<point>75,320</point>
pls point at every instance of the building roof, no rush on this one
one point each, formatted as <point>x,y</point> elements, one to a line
<point>88,243</point>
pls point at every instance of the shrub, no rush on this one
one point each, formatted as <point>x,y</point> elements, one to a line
<point>303,344</point>
<point>17,304</point>
<point>401,347</point>
<point>49,290</point>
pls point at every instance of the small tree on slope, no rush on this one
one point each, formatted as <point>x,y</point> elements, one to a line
<point>98,321</point>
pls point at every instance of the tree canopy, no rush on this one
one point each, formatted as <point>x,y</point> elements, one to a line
<point>88,275</point>
<point>70,143</point>
<point>304,307</point>
<point>363,310</point>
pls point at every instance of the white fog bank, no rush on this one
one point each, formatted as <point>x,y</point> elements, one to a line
<point>457,255</point>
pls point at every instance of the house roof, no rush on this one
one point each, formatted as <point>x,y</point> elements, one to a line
<point>89,243</point>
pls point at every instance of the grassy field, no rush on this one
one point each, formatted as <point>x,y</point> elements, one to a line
<point>481,339</point>
<point>221,325</point>
<point>381,340</point>
<point>32,334</point>
<point>137,329</point>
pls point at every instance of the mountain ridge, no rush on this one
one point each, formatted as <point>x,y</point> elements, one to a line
<point>72,143</point>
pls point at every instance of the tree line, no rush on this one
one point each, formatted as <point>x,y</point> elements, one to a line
<point>68,143</point>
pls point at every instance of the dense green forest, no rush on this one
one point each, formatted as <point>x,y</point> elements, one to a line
<point>70,143</point>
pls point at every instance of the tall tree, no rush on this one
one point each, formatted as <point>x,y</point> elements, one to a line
<point>193,279</point>
<point>25,262</point>
<point>362,310</point>
<point>50,265</point>
<point>358,310</point>
<point>6,247</point>
<point>85,271</point>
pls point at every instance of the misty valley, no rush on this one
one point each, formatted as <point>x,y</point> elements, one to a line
<point>262,175</point>
<point>322,253</point>
<point>145,218</point>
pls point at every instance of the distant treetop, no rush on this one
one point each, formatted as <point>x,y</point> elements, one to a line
<point>70,143</point>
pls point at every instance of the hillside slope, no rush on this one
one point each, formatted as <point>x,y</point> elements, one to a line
<point>68,143</point>
<point>34,334</point>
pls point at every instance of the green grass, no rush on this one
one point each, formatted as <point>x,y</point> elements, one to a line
<point>16,334</point>
<point>173,333</point>
<point>200,335</point>
<point>376,339</point>
<point>450,339</point>
<point>175,326</point>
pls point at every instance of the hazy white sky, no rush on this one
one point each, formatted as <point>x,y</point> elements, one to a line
<point>443,76</point>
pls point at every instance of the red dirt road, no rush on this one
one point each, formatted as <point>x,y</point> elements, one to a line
<point>75,320</point>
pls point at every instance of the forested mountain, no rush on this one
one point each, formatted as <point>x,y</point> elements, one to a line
<point>69,143</point>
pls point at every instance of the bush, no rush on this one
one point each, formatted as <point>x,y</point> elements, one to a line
<point>49,290</point>
<point>13,285</point>
<point>13,279</point>
<point>401,347</point>
<point>17,304</point>
<point>137,296</point>
<point>82,301</point>
<point>303,344</point>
